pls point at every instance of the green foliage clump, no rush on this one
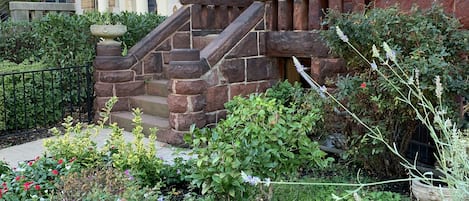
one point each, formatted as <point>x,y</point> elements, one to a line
<point>60,39</point>
<point>260,136</point>
<point>135,156</point>
<point>426,43</point>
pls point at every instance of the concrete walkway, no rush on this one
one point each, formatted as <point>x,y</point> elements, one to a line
<point>28,151</point>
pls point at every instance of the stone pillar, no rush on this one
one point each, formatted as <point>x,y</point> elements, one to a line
<point>186,101</point>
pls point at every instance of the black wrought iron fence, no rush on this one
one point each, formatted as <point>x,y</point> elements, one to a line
<point>36,100</point>
<point>4,10</point>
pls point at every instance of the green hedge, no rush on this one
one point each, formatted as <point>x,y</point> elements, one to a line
<point>60,39</point>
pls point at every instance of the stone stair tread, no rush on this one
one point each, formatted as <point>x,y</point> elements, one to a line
<point>159,122</point>
<point>161,81</point>
<point>150,98</point>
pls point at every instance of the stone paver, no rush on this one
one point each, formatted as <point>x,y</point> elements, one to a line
<point>28,151</point>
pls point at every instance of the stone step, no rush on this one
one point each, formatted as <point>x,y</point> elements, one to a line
<point>186,69</point>
<point>199,42</point>
<point>185,55</point>
<point>157,88</point>
<point>124,120</point>
<point>151,105</point>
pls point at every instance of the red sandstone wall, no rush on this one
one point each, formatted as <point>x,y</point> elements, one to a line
<point>457,8</point>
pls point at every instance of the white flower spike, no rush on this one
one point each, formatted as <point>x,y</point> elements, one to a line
<point>341,34</point>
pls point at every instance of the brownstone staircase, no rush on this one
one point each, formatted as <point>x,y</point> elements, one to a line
<point>185,70</point>
<point>154,106</point>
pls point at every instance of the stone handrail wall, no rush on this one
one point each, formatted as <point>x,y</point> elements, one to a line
<point>27,11</point>
<point>124,76</point>
<point>198,97</point>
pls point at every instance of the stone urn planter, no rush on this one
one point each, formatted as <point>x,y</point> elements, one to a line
<point>108,33</point>
<point>425,192</point>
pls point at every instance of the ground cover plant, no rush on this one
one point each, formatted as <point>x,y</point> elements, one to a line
<point>427,44</point>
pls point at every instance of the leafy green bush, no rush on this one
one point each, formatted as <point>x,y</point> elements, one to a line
<point>60,39</point>
<point>260,136</point>
<point>427,44</point>
<point>136,156</point>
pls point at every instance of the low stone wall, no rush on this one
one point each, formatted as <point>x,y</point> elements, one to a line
<point>27,11</point>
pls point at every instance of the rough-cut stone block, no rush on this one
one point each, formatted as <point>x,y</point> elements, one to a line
<point>300,14</point>
<point>153,63</point>
<point>233,13</point>
<point>263,86</point>
<point>187,86</point>
<point>196,103</point>
<point>116,76</point>
<point>185,55</point>
<point>113,62</point>
<point>247,47</point>
<point>199,42</point>
<point>137,68</point>
<point>166,57</point>
<point>257,69</point>
<point>314,15</point>
<point>462,12</point>
<point>215,117</point>
<point>271,14</point>
<point>300,44</point>
<point>358,5</point>
<point>185,103</point>
<point>130,88</point>
<point>164,46</point>
<point>185,27</point>
<point>216,97</point>
<point>121,105</point>
<point>261,42</point>
<point>221,17</point>
<point>182,40</point>
<point>242,89</point>
<point>183,121</point>
<point>177,103</point>
<point>322,68</point>
<point>285,15</point>
<point>233,70</point>
<point>103,89</point>
<point>186,69</point>
<point>108,50</point>
<point>196,16</point>
<point>336,5</point>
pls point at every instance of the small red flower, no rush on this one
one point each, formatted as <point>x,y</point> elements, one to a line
<point>37,187</point>
<point>363,85</point>
<point>17,178</point>
<point>37,158</point>
<point>30,163</point>
<point>4,184</point>
<point>55,172</point>
<point>73,159</point>
<point>60,161</point>
<point>27,185</point>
